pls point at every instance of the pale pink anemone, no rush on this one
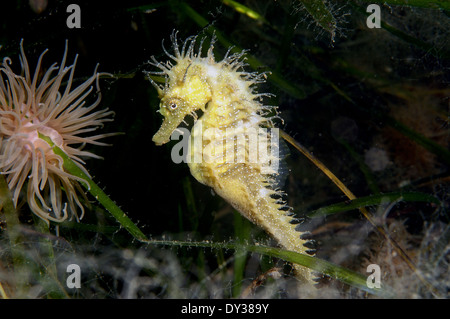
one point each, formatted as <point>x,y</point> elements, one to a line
<point>33,104</point>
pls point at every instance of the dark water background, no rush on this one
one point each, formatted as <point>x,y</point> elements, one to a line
<point>371,104</point>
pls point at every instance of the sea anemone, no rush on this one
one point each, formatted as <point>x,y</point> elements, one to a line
<point>35,106</point>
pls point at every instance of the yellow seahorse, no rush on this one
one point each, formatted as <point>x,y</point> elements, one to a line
<point>226,96</point>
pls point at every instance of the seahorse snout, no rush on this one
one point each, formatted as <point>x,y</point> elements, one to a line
<point>169,125</point>
<point>161,138</point>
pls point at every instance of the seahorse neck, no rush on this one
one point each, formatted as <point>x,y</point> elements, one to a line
<point>230,100</point>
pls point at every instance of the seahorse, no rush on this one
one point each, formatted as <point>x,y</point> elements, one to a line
<point>227,97</point>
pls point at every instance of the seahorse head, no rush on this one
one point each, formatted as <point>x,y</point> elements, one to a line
<point>186,92</point>
<point>186,89</point>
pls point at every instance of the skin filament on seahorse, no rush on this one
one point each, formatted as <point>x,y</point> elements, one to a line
<point>226,96</point>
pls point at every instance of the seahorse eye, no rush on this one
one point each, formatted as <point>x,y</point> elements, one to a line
<point>173,105</point>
